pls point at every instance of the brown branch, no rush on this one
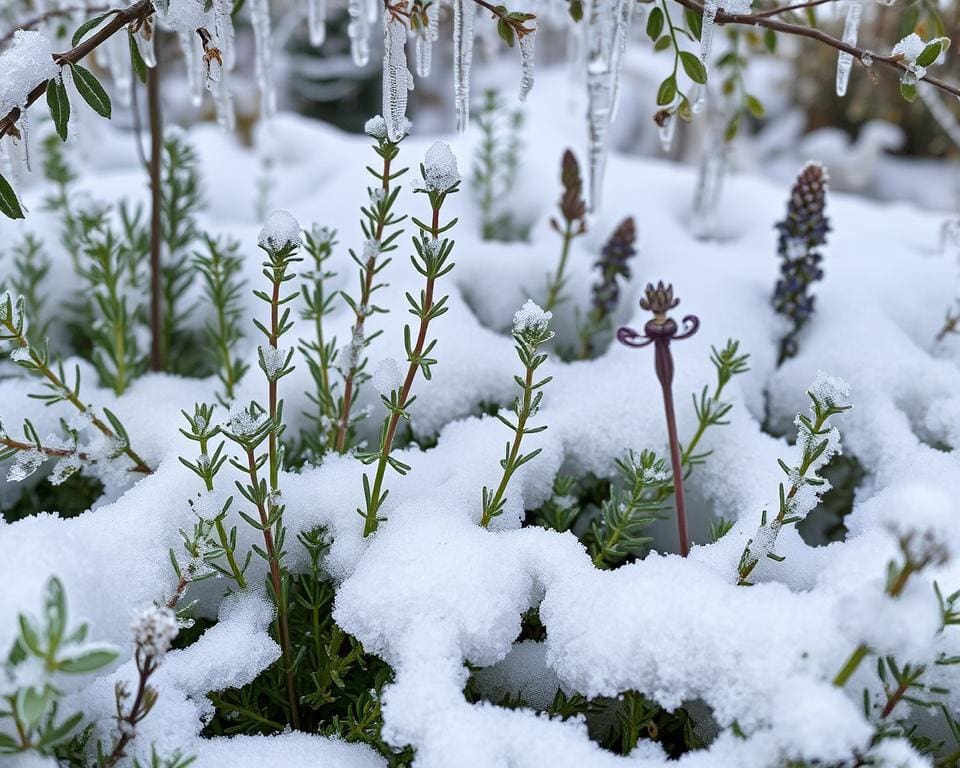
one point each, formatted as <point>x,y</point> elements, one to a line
<point>52,14</point>
<point>759,20</point>
<point>136,12</point>
<point>19,445</point>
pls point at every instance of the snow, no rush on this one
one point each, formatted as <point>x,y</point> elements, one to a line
<point>25,63</point>
<point>530,317</point>
<point>386,376</point>
<point>280,231</point>
<point>440,167</point>
<point>431,590</point>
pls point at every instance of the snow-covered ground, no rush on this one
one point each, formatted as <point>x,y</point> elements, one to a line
<point>431,590</point>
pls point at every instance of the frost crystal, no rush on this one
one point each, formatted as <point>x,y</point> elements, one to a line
<point>241,423</point>
<point>531,318</point>
<point>26,463</point>
<point>464,17</point>
<point>280,231</point>
<point>376,127</point>
<point>830,390</point>
<point>274,359</point>
<point>386,377</point>
<point>440,168</point>
<point>154,630</point>
<point>397,79</point>
<point>28,61</point>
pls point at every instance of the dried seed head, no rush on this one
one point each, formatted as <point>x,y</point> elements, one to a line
<point>659,300</point>
<point>572,205</point>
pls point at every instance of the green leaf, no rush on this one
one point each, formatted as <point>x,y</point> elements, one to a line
<point>90,89</point>
<point>139,65</point>
<point>754,106</point>
<point>89,24</point>
<point>32,704</point>
<point>576,10</point>
<point>29,636</point>
<point>663,43</point>
<point>770,40</point>
<point>87,662</point>
<point>693,67</point>
<point>732,128</point>
<point>505,31</point>
<point>908,91</point>
<point>9,204</point>
<point>58,733</point>
<point>694,22</point>
<point>55,608</point>
<point>930,53</point>
<point>655,23</point>
<point>667,92</point>
<point>59,103</point>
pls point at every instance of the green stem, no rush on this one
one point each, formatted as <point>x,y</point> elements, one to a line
<point>221,531</point>
<point>556,282</point>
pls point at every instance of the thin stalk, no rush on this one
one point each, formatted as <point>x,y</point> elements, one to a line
<point>366,290</point>
<point>156,225</point>
<point>218,523</point>
<point>371,523</point>
<point>557,281</point>
<point>511,465</point>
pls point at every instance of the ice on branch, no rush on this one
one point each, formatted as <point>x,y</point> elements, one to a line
<point>851,31</point>
<point>527,45</point>
<point>440,168</point>
<point>910,50</point>
<point>464,17</point>
<point>317,21</point>
<point>154,630</point>
<point>281,230</point>
<point>386,377</point>
<point>358,30</point>
<point>397,79</point>
<point>425,40</point>
<point>28,61</point>
<point>710,9</point>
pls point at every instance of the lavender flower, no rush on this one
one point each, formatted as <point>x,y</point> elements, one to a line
<point>802,232</point>
<point>614,266</point>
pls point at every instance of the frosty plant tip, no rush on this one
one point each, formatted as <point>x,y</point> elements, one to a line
<point>660,331</point>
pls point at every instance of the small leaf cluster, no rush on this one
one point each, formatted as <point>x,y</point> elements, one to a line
<point>58,649</point>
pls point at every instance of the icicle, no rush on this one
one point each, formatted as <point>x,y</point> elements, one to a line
<point>624,20</point>
<point>374,8</point>
<point>145,45</point>
<point>851,30</point>
<point>527,43</point>
<point>317,21</point>
<point>223,29</point>
<point>223,102</point>
<point>666,129</point>
<point>425,41</point>
<point>118,57</point>
<point>601,31</point>
<point>464,16</point>
<point>190,45</point>
<point>710,8</point>
<point>397,79</point>
<point>358,30</point>
<point>940,111</point>
<point>699,93</point>
<point>714,160</point>
<point>263,45</point>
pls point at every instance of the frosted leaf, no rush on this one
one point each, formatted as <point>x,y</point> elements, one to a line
<point>527,44</point>
<point>910,47</point>
<point>263,55</point>
<point>386,377</point>
<point>851,29</point>
<point>21,354</point>
<point>397,80</point>
<point>26,463</point>
<point>358,30</point>
<point>830,390</point>
<point>440,168</point>
<point>530,318</point>
<point>154,630</point>
<point>281,230</point>
<point>65,468</point>
<point>28,61</point>
<point>317,21</point>
<point>464,18</point>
